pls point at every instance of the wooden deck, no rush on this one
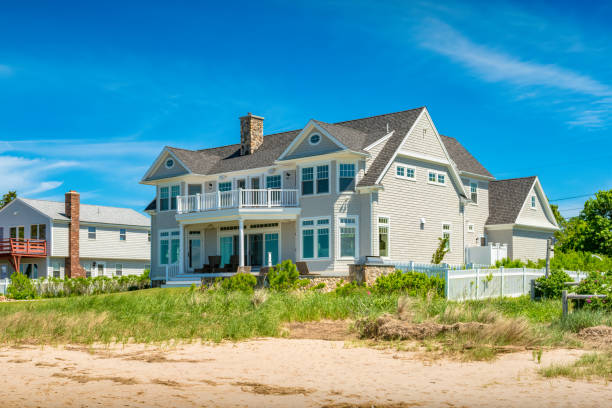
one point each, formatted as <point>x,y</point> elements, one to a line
<point>14,249</point>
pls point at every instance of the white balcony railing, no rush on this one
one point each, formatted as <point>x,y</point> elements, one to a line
<point>243,198</point>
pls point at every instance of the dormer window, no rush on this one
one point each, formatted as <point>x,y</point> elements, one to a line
<point>314,139</point>
<point>169,163</point>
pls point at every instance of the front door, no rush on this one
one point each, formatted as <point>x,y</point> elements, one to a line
<point>241,184</point>
<point>100,269</point>
<point>195,253</point>
<point>255,183</point>
<point>256,249</point>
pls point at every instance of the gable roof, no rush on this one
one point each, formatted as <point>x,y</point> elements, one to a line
<point>506,199</point>
<point>462,158</point>
<point>355,134</point>
<point>90,213</point>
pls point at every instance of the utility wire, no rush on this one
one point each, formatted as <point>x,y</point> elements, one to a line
<point>569,198</point>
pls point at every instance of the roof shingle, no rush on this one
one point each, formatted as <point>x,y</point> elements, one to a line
<point>506,198</point>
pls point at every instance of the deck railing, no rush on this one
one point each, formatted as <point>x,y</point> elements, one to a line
<point>19,246</point>
<point>243,198</point>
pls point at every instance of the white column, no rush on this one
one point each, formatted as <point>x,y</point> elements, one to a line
<point>181,249</point>
<point>241,242</point>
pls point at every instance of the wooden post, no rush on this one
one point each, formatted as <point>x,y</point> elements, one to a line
<point>564,302</point>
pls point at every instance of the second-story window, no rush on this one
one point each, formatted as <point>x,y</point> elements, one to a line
<point>164,198</point>
<point>346,177</point>
<point>315,180</point>
<point>122,234</point>
<point>474,192</point>
<point>225,186</point>
<point>91,232</point>
<point>38,231</point>
<point>175,191</point>
<point>323,179</point>
<point>307,181</point>
<point>273,182</point>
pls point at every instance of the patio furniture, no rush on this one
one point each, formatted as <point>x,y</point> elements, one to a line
<point>302,268</point>
<point>213,265</point>
<point>232,266</point>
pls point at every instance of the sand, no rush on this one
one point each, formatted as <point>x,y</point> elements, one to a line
<point>280,373</point>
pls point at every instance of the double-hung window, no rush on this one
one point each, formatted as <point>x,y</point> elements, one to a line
<point>405,172</point>
<point>175,191</point>
<point>474,192</point>
<point>164,198</point>
<point>315,180</point>
<point>17,232</point>
<point>383,236</point>
<point>533,202</point>
<point>436,177</point>
<point>446,233</point>
<point>273,182</point>
<point>122,234</point>
<point>346,177</point>
<point>225,186</point>
<point>38,231</point>
<point>348,235</point>
<point>315,238</point>
<point>118,269</point>
<point>91,232</point>
<point>56,270</point>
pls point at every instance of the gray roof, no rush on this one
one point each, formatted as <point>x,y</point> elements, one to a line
<point>506,198</point>
<point>355,134</point>
<point>91,213</point>
<point>152,205</point>
<point>462,158</point>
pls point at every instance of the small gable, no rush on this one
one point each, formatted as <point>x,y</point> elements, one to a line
<point>423,139</point>
<point>314,143</point>
<point>167,166</point>
<point>534,211</point>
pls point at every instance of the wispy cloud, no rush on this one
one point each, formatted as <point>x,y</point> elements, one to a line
<point>499,66</point>
<point>29,176</point>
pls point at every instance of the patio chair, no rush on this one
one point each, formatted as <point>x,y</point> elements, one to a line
<point>232,266</point>
<point>213,264</point>
<point>302,268</point>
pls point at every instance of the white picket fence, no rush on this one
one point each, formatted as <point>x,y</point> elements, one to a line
<point>3,285</point>
<point>483,283</point>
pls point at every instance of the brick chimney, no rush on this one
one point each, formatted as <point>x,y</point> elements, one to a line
<point>72,209</point>
<point>251,133</point>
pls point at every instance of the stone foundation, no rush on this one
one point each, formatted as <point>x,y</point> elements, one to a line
<point>367,274</point>
<point>331,282</point>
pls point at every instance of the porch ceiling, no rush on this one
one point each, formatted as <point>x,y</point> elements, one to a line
<point>234,214</point>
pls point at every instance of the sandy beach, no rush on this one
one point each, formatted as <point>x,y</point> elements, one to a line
<point>280,373</point>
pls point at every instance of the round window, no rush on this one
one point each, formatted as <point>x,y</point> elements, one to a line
<point>169,163</point>
<point>315,139</point>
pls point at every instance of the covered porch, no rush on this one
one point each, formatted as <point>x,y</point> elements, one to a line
<point>205,247</point>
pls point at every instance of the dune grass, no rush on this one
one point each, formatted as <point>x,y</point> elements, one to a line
<point>184,314</point>
<point>589,366</point>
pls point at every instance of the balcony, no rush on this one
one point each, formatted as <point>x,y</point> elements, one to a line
<point>238,199</point>
<point>23,247</point>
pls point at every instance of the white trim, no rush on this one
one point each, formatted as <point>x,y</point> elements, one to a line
<point>423,157</point>
<point>534,202</point>
<point>315,191</point>
<point>503,227</point>
<point>157,163</point>
<point>355,180</point>
<point>166,163</point>
<point>545,207</point>
<point>310,139</point>
<point>379,141</point>
<point>450,235</point>
<point>304,132</point>
<point>438,173</point>
<point>388,225</point>
<point>470,228</point>
<point>406,167</point>
<point>338,255</point>
<point>470,181</point>
<point>315,227</point>
<point>169,185</point>
<point>476,176</point>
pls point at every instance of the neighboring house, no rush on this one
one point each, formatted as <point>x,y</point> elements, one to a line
<point>55,239</point>
<point>330,194</point>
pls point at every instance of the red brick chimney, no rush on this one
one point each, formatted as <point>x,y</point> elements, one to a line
<point>72,209</point>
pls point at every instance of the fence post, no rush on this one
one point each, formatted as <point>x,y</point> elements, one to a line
<point>524,280</point>
<point>501,277</point>
<point>564,301</point>
<point>446,284</point>
<point>477,281</point>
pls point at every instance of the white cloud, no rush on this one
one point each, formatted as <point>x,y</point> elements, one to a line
<point>29,176</point>
<point>497,66</point>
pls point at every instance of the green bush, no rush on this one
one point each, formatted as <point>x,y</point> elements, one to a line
<point>552,286</point>
<point>508,263</point>
<point>596,283</point>
<point>412,283</point>
<point>21,287</point>
<point>243,282</point>
<point>285,276</point>
<point>349,288</point>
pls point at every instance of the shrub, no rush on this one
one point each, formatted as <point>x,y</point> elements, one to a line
<point>440,252</point>
<point>552,286</point>
<point>285,276</point>
<point>21,287</point>
<point>243,282</point>
<point>413,283</point>
<point>349,288</point>
<point>597,283</point>
<point>508,263</point>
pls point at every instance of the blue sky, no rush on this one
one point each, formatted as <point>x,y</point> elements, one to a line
<point>90,92</point>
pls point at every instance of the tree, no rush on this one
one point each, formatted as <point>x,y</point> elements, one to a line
<point>7,198</point>
<point>438,256</point>
<point>597,214</point>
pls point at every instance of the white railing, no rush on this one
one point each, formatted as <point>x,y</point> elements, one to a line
<point>171,271</point>
<point>243,198</point>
